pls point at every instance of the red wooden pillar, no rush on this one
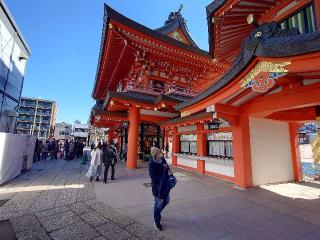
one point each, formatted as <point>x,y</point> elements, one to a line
<point>201,148</point>
<point>132,154</point>
<point>295,153</point>
<point>175,146</point>
<point>242,153</point>
<point>110,134</point>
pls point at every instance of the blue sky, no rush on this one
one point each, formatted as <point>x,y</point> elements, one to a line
<point>64,36</point>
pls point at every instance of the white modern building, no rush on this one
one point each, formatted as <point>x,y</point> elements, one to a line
<point>63,131</point>
<point>80,131</point>
<point>14,53</point>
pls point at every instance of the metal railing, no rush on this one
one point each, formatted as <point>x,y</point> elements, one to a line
<point>26,112</point>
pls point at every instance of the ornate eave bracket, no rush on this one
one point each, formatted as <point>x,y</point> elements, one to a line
<point>262,77</point>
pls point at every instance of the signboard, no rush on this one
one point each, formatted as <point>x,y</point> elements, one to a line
<point>213,126</point>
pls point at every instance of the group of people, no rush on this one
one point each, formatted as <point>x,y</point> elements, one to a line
<point>56,149</point>
<point>106,154</point>
<point>73,149</point>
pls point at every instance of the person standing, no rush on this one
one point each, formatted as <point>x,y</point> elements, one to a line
<point>95,164</point>
<point>52,148</point>
<point>38,150</point>
<point>109,159</point>
<point>71,152</point>
<point>56,149</point>
<point>66,150</point>
<point>45,150</point>
<point>158,171</point>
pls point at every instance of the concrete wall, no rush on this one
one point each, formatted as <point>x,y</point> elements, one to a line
<point>16,155</point>
<point>270,151</point>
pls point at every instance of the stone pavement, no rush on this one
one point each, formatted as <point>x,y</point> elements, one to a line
<point>206,208</point>
<point>55,200</point>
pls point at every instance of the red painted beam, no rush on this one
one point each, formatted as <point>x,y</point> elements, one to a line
<point>296,115</point>
<point>299,97</point>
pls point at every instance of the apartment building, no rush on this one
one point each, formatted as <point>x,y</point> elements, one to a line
<point>37,117</point>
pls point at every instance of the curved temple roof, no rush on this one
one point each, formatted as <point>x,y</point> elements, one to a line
<point>267,40</point>
<point>175,23</point>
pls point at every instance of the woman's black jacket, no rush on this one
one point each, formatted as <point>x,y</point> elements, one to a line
<point>159,178</point>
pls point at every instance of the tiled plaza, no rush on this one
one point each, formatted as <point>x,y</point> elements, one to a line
<point>56,201</point>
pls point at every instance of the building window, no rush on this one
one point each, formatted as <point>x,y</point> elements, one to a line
<point>188,144</point>
<point>303,20</point>
<point>220,145</point>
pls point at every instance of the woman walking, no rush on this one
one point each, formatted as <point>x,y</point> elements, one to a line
<point>158,171</point>
<point>95,164</point>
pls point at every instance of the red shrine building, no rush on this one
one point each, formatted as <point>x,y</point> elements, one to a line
<point>231,113</point>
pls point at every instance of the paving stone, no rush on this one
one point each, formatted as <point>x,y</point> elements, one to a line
<point>25,222</point>
<point>90,202</point>
<point>80,230</point>
<point>100,238</point>
<point>134,238</point>
<point>93,218</point>
<point>112,214</point>
<point>59,220</point>
<point>121,219</point>
<point>114,232</point>
<point>7,215</point>
<point>33,233</point>
<point>51,212</point>
<point>6,230</point>
<point>79,208</point>
<point>142,232</point>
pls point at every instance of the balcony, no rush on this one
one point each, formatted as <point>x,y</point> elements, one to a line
<point>43,121</point>
<point>180,91</point>
<point>26,112</point>
<point>29,105</point>
<point>43,113</point>
<point>21,119</point>
<point>148,88</point>
<point>23,126</point>
<point>44,106</point>
<point>153,90</point>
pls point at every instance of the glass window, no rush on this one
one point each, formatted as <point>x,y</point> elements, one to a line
<point>303,20</point>
<point>220,148</point>
<point>185,147</point>
<point>188,144</point>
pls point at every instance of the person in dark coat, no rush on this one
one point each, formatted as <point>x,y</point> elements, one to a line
<point>110,158</point>
<point>66,150</point>
<point>158,171</point>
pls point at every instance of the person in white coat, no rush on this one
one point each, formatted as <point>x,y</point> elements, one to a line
<point>95,164</point>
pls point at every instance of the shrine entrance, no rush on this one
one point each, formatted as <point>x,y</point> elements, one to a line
<point>149,135</point>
